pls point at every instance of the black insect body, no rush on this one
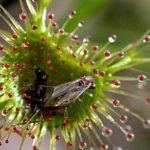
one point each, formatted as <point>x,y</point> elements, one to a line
<point>37,93</point>
<point>52,99</point>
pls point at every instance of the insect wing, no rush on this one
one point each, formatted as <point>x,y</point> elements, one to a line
<point>70,96</point>
<point>60,89</point>
<point>63,95</point>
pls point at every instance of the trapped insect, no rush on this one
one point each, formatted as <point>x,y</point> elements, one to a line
<point>54,98</point>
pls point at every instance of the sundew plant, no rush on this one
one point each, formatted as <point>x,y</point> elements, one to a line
<point>42,57</point>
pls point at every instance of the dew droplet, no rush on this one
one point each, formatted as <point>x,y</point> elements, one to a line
<point>116,102</point>
<point>34,27</point>
<point>72,14</point>
<point>94,106</point>
<point>49,119</point>
<point>14,48</point>
<point>15,36</point>
<point>107,132</point>
<point>13,75</point>
<point>148,100</point>
<point>95,48</point>
<point>53,25</point>
<point>43,40</point>
<point>17,109</point>
<point>73,55</point>
<point>86,40</point>
<point>85,52</point>
<point>95,71</point>
<point>117,83</point>
<point>23,16</point>
<point>57,137</point>
<point>74,37</point>
<point>146,39</point>
<point>61,31</point>
<point>102,73</point>
<point>80,24</point>
<point>92,63</point>
<point>107,53</point>
<point>104,147</point>
<point>69,144</point>
<point>121,54</point>
<point>9,95</point>
<point>4,112</point>
<point>7,141</point>
<point>1,48</point>
<point>112,38</point>
<point>34,148</point>
<point>16,65</point>
<point>130,137</point>
<point>142,78</point>
<point>82,145</point>
<point>85,126</point>
<point>6,66</point>
<point>146,124</point>
<point>123,119</point>
<point>50,16</point>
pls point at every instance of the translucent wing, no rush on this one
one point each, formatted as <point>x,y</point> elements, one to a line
<point>64,94</point>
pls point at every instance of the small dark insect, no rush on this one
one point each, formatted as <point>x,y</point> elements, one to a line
<point>54,98</point>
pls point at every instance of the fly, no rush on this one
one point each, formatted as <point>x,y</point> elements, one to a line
<point>53,98</point>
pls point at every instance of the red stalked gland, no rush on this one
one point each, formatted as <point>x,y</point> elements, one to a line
<point>7,141</point>
<point>13,75</point>
<point>14,36</point>
<point>95,71</point>
<point>69,144</point>
<point>72,14</point>
<point>1,48</point>
<point>1,87</point>
<point>123,119</point>
<point>10,95</point>
<point>80,24</point>
<point>6,66</point>
<point>85,51</point>
<point>142,78</point>
<point>23,16</point>
<point>34,27</point>
<point>102,74</point>
<point>112,39</point>
<point>49,119</point>
<point>50,16</point>
<point>53,25</point>
<point>14,48</point>
<point>34,148</point>
<point>116,103</point>
<point>94,106</point>
<point>61,31</point>
<point>116,83</point>
<point>17,109</point>
<point>92,63</point>
<point>74,37</point>
<point>57,137</point>
<point>121,54</point>
<point>95,48</point>
<point>107,53</point>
